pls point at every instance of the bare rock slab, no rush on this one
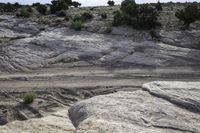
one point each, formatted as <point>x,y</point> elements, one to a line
<point>184,94</point>
<point>138,112</point>
<point>55,123</point>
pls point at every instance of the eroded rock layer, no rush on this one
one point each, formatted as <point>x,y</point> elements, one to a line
<point>140,111</point>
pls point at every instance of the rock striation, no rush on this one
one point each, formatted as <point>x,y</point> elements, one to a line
<point>27,45</point>
<point>162,107</point>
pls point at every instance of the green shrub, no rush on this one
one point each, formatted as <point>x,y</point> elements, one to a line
<point>35,4</point>
<point>58,6</point>
<point>86,16</point>
<point>76,4</point>
<point>61,13</point>
<point>77,25</point>
<point>29,97</point>
<point>77,18</point>
<point>118,18</point>
<point>24,12</point>
<point>189,14</point>
<point>29,9</point>
<point>137,16</point>
<point>159,6</point>
<point>8,7</point>
<point>41,9</point>
<point>111,3</point>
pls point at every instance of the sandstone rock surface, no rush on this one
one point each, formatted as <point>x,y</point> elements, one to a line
<point>27,45</point>
<point>57,122</point>
<point>139,111</point>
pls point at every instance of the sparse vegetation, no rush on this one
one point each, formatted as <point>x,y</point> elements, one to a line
<point>29,97</point>
<point>41,9</point>
<point>77,25</point>
<point>137,16</point>
<point>24,12</point>
<point>58,6</point>
<point>77,18</point>
<point>86,16</point>
<point>189,14</point>
<point>8,7</point>
<point>159,6</point>
<point>118,18</point>
<point>61,13</point>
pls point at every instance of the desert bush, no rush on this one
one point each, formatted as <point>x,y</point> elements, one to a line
<point>29,9</point>
<point>8,7</point>
<point>35,4</point>
<point>189,14</point>
<point>68,2</point>
<point>76,4</point>
<point>137,16</point>
<point>111,3</point>
<point>41,9</point>
<point>77,25</point>
<point>61,13</point>
<point>29,97</point>
<point>118,18</point>
<point>104,16</point>
<point>159,6</point>
<point>86,16</point>
<point>24,12</point>
<point>58,6</point>
<point>77,18</point>
<point>17,5</point>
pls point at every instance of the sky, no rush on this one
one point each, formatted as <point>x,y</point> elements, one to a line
<point>92,2</point>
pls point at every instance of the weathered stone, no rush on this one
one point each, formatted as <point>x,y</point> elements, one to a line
<point>57,122</point>
<point>184,94</point>
<point>139,111</point>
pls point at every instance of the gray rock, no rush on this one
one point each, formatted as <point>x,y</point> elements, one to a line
<point>186,39</point>
<point>30,47</point>
<point>184,94</point>
<point>139,111</point>
<point>57,122</point>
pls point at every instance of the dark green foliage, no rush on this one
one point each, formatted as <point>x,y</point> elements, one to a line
<point>29,9</point>
<point>29,97</point>
<point>35,4</point>
<point>41,9</point>
<point>8,7</point>
<point>17,5</point>
<point>190,14</point>
<point>77,25</point>
<point>68,2</point>
<point>86,16</point>
<point>146,18</point>
<point>137,16</point>
<point>118,18</point>
<point>77,18</point>
<point>24,12</point>
<point>104,16</point>
<point>76,4</point>
<point>111,3</point>
<point>61,13</point>
<point>58,5</point>
<point>159,6</point>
